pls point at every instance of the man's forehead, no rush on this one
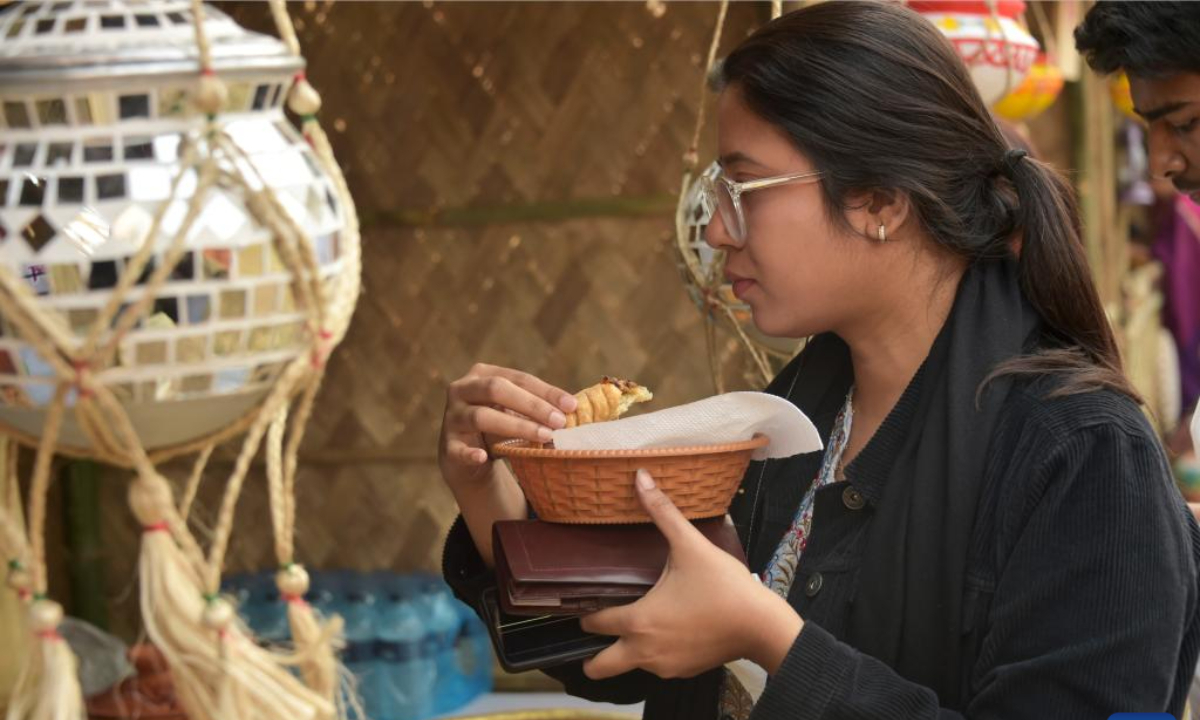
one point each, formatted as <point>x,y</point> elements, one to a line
<point>1157,96</point>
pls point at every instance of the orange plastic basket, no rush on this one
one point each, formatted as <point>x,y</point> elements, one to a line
<point>596,486</point>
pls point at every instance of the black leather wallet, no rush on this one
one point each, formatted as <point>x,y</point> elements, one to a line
<point>533,643</point>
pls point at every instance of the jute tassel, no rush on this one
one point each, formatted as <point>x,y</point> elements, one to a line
<point>48,687</point>
<point>316,643</point>
<point>218,670</point>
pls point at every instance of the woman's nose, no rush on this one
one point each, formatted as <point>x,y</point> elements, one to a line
<point>717,236</point>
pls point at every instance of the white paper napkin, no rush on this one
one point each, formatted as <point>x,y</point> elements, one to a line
<point>731,417</point>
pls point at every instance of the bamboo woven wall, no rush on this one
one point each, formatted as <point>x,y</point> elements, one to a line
<point>548,140</point>
<point>515,166</point>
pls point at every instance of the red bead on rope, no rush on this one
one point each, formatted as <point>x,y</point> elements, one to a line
<point>294,599</point>
<point>320,353</point>
<point>48,635</point>
<point>157,527</point>
<point>81,368</point>
<point>207,72</point>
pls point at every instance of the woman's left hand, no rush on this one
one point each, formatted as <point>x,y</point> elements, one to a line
<point>706,609</point>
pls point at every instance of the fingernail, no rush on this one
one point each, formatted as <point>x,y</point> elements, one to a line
<point>644,481</point>
<point>545,434</point>
<point>557,419</point>
<point>568,403</point>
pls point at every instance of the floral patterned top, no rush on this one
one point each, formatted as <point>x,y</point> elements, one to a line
<point>736,702</point>
<point>781,571</point>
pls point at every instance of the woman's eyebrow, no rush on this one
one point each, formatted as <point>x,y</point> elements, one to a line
<point>734,157</point>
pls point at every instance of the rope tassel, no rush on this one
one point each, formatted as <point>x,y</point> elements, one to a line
<point>218,670</point>
<point>48,687</point>
<point>316,642</point>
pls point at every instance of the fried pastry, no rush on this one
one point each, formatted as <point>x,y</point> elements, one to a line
<point>606,400</point>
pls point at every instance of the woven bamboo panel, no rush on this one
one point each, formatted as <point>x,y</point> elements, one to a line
<point>475,106</point>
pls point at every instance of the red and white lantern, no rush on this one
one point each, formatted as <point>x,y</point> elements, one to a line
<point>988,37</point>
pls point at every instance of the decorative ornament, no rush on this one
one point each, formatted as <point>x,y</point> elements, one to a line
<point>176,265</point>
<point>94,175</point>
<point>702,266</point>
<point>997,50</point>
<point>1037,92</point>
<point>1118,90</point>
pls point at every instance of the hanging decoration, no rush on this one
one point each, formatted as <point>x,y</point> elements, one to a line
<point>1118,90</point>
<point>702,266</point>
<point>177,262</point>
<point>989,38</point>
<point>1037,92</point>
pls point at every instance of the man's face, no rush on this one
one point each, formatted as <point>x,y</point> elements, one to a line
<point>1171,108</point>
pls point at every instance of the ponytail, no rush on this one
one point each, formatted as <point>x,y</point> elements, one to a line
<point>1058,282</point>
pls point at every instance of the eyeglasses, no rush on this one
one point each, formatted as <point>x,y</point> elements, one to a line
<point>725,196</point>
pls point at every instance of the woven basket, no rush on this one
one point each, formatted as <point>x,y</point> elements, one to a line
<point>596,486</point>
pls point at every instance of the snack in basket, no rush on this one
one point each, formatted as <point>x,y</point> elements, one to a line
<point>606,400</point>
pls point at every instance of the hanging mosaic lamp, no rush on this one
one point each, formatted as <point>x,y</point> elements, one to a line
<point>99,105</point>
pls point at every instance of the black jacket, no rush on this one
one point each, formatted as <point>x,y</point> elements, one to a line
<point>1081,592</point>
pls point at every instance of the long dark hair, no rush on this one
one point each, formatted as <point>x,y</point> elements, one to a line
<point>877,98</point>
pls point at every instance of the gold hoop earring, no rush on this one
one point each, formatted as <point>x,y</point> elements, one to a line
<point>881,233</point>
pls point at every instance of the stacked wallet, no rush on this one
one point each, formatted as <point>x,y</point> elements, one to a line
<point>548,575</point>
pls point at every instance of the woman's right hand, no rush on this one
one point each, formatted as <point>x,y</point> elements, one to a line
<point>490,403</point>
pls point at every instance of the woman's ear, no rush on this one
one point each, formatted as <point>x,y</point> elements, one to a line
<point>878,215</point>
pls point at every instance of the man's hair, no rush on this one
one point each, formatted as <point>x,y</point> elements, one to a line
<point>1147,39</point>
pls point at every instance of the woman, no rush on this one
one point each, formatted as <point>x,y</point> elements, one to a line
<point>992,530</point>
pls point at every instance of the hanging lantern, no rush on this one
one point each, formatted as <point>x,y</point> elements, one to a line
<point>1118,90</point>
<point>996,49</point>
<point>99,103</point>
<point>1038,92</point>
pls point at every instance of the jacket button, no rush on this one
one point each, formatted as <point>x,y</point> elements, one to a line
<point>853,499</point>
<point>813,586</point>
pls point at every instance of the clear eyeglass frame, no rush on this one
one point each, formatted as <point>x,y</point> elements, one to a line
<point>723,197</point>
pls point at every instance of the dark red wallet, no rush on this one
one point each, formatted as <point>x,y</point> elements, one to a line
<point>554,569</point>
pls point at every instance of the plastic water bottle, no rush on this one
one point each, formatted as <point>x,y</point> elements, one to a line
<point>271,611</point>
<point>450,688</point>
<point>322,591</point>
<point>410,673</point>
<point>235,586</point>
<point>357,608</point>
<point>253,603</point>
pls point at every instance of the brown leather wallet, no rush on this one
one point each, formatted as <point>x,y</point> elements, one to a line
<point>554,569</point>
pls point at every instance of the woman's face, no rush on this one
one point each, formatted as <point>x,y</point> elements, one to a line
<point>799,271</point>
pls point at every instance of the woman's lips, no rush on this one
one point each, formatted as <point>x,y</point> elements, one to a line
<point>741,287</point>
